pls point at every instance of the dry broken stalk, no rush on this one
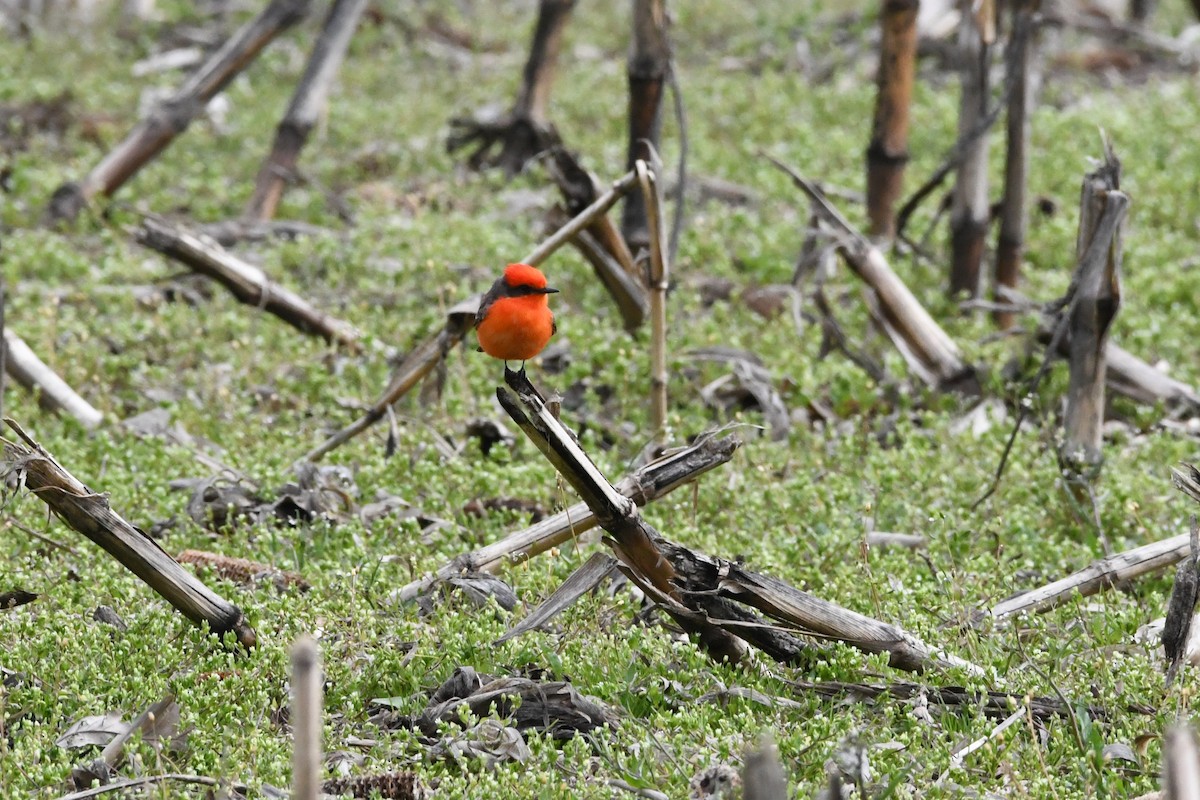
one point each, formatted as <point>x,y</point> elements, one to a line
<point>52,392</point>
<point>1181,764</point>
<point>172,117</point>
<point>423,359</point>
<point>308,101</point>
<point>887,153</point>
<point>928,350</point>
<point>704,594</point>
<point>306,718</point>
<point>1097,576</point>
<point>969,202</point>
<point>659,283</point>
<point>249,284</point>
<point>1014,212</point>
<point>1096,299</point>
<point>648,484</point>
<point>1181,607</point>
<point>90,514</point>
<point>648,68</point>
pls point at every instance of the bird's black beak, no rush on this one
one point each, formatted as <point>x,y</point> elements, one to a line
<point>548,290</point>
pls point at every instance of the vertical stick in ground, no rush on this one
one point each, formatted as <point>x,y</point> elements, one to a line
<point>887,153</point>
<point>659,281</point>
<point>306,720</point>
<point>1014,215</point>
<point>649,67</point>
<point>969,209</point>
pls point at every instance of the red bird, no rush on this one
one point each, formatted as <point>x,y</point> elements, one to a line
<point>514,321</point>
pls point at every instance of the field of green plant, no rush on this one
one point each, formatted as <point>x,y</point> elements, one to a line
<point>134,332</point>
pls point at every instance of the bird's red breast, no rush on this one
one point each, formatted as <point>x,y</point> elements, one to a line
<point>514,322</point>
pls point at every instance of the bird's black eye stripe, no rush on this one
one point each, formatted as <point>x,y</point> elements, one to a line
<point>524,289</point>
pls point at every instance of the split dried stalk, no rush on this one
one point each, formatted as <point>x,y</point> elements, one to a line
<point>307,722</point>
<point>969,203</point>
<point>1095,304</point>
<point>1096,577</point>
<point>52,392</point>
<point>1014,211</point>
<point>702,593</point>
<point>308,101</point>
<point>648,484</point>
<point>249,284</point>
<point>887,153</point>
<point>172,117</point>
<point>659,283</point>
<point>89,513</point>
<point>928,350</point>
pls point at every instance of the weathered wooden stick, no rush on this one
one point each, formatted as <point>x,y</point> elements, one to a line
<point>249,284</point>
<point>887,152</point>
<point>1181,764</point>
<point>89,513</point>
<point>928,350</point>
<point>580,188</point>
<point>648,67</point>
<point>1132,377</point>
<point>307,722</point>
<point>172,117</point>
<point>648,484</point>
<point>659,283</point>
<point>583,219</point>
<point>53,393</point>
<point>1097,576</point>
<point>308,101</point>
<point>1095,304</point>
<point>1014,212</point>
<point>969,204</point>
<point>633,540</point>
<point>526,130</point>
<point>423,359</point>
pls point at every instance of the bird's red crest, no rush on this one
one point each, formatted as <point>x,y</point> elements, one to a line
<point>524,275</point>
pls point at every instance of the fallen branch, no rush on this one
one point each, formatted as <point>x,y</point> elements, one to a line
<point>52,392</point>
<point>1097,576</point>
<point>928,350</point>
<point>648,484</point>
<point>703,594</point>
<point>248,283</point>
<point>172,117</point>
<point>89,513</point>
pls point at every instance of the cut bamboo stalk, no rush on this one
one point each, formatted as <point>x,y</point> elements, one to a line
<point>249,284</point>
<point>648,69</point>
<point>172,117</point>
<point>308,101</point>
<point>307,721</point>
<point>53,393</point>
<point>1014,212</point>
<point>89,513</point>
<point>1096,577</point>
<point>969,204</point>
<point>1096,301</point>
<point>659,283</point>
<point>887,152</point>
<point>648,484</point>
<point>928,350</point>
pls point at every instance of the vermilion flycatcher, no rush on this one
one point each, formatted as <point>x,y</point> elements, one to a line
<point>514,321</point>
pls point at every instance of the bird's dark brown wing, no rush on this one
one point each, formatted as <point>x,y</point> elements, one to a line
<point>497,291</point>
